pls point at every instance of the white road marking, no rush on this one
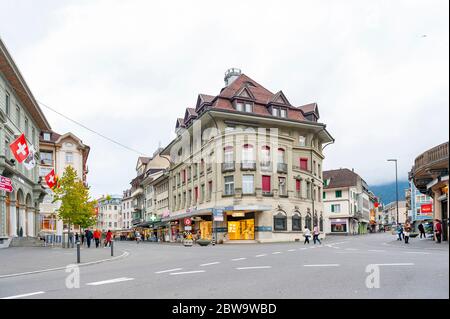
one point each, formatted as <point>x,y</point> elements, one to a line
<point>236,259</point>
<point>276,253</point>
<point>396,264</point>
<point>377,250</point>
<point>186,272</point>
<point>262,255</point>
<point>24,295</point>
<point>322,265</point>
<point>417,252</point>
<point>170,270</point>
<point>303,248</point>
<point>352,249</point>
<point>256,267</point>
<point>110,281</point>
<point>291,250</point>
<point>208,264</point>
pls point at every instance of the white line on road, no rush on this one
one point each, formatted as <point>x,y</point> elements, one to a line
<point>352,249</point>
<point>322,265</point>
<point>291,250</point>
<point>377,250</point>
<point>186,272</point>
<point>276,253</point>
<point>256,267</point>
<point>262,255</point>
<point>110,281</point>
<point>398,264</point>
<point>236,259</point>
<point>417,252</point>
<point>24,295</point>
<point>303,248</point>
<point>170,270</point>
<point>209,264</point>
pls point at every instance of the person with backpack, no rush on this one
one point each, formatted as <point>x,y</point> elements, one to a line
<point>307,234</point>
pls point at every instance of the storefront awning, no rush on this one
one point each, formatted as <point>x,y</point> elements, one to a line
<point>200,212</point>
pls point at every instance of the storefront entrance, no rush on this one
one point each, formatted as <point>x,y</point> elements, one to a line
<point>206,230</point>
<point>242,227</point>
<point>444,220</point>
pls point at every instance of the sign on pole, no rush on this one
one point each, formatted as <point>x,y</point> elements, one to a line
<point>5,184</point>
<point>187,222</point>
<point>218,215</point>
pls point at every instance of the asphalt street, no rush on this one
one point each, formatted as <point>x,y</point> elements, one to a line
<point>369,266</point>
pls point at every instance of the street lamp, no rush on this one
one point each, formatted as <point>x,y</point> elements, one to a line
<point>396,184</point>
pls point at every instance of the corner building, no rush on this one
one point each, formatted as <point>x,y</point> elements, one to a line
<point>246,165</point>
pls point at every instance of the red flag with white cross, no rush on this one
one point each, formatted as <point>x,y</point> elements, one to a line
<point>50,178</point>
<point>20,148</point>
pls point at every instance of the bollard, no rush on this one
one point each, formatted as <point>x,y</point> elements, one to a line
<point>112,247</point>
<point>78,252</point>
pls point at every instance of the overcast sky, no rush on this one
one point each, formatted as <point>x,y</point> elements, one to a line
<point>379,71</point>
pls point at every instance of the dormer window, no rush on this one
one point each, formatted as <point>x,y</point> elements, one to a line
<point>279,112</point>
<point>46,136</point>
<point>244,107</point>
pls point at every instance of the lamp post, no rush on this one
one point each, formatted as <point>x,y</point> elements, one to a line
<point>396,184</point>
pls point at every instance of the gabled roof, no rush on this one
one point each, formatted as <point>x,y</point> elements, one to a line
<point>310,108</point>
<point>203,99</point>
<point>244,92</point>
<point>342,177</point>
<point>280,98</point>
<point>189,114</point>
<point>260,93</point>
<point>180,123</point>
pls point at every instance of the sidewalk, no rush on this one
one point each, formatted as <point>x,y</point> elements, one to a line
<point>24,259</point>
<point>419,243</point>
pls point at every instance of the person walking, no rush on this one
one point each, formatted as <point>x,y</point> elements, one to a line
<point>89,236</point>
<point>407,231</point>
<point>97,236</point>
<point>438,230</point>
<point>108,238</point>
<point>138,237</point>
<point>422,230</point>
<point>316,235</point>
<point>399,232</point>
<point>307,234</point>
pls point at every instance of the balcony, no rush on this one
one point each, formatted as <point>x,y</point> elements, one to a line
<point>430,165</point>
<point>228,167</point>
<point>265,166</point>
<point>248,166</point>
<point>282,168</point>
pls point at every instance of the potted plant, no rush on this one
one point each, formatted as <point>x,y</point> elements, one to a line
<point>203,242</point>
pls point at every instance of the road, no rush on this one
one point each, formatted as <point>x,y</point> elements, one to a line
<point>338,268</point>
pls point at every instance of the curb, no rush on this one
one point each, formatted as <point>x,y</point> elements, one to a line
<point>125,254</point>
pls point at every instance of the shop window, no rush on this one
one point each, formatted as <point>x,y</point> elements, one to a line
<point>308,221</point>
<point>280,221</point>
<point>296,222</point>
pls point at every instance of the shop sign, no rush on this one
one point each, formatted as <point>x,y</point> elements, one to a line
<point>218,215</point>
<point>239,214</point>
<point>5,184</point>
<point>187,222</point>
<point>263,228</point>
<point>187,227</point>
<point>426,208</point>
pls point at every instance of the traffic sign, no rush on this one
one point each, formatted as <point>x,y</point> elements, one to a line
<point>187,222</point>
<point>5,184</point>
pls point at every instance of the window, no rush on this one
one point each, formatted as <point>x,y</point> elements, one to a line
<point>338,194</point>
<point>319,170</point>
<point>228,154</point>
<point>43,171</point>
<point>266,184</point>
<point>203,192</point>
<point>229,185</point>
<point>304,164</point>
<point>275,111</point>
<point>308,190</point>
<point>248,107</point>
<point>46,158</point>
<point>283,113</point>
<point>240,107</point>
<point>281,157</point>
<point>248,184</point>
<point>27,131</point>
<point>296,222</point>
<point>314,168</point>
<point>282,186</point>
<point>115,207</point>
<point>209,190</point>
<point>248,155</point>
<point>280,221</point>
<point>336,208</point>
<point>183,174</point>
<point>46,136</point>
<point>265,157</point>
<point>18,116</point>
<point>69,157</point>
<point>324,195</point>
<point>196,194</point>
<point>302,140</point>
<point>7,103</point>
<point>298,187</point>
<point>308,221</point>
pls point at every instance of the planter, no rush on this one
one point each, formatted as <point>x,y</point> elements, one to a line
<point>203,242</point>
<point>187,242</point>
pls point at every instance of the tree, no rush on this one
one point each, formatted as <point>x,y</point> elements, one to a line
<point>76,206</point>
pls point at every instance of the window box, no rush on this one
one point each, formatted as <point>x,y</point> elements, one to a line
<point>282,168</point>
<point>249,166</point>
<point>228,167</point>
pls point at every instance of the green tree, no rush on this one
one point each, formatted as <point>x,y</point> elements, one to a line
<point>76,206</point>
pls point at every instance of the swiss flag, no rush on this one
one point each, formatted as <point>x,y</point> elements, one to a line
<point>50,178</point>
<point>20,148</point>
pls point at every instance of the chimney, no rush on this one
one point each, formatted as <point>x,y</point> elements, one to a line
<point>231,75</point>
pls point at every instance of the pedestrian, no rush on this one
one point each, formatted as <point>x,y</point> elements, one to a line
<point>316,235</point>
<point>438,230</point>
<point>399,232</point>
<point>108,238</point>
<point>307,234</point>
<point>422,231</point>
<point>89,236</point>
<point>407,228</point>
<point>97,236</point>
<point>138,237</point>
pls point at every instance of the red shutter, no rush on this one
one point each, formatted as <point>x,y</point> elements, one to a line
<point>266,183</point>
<point>297,185</point>
<point>304,164</point>
<point>184,175</point>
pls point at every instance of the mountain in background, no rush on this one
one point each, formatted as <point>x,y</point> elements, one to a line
<point>386,192</point>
